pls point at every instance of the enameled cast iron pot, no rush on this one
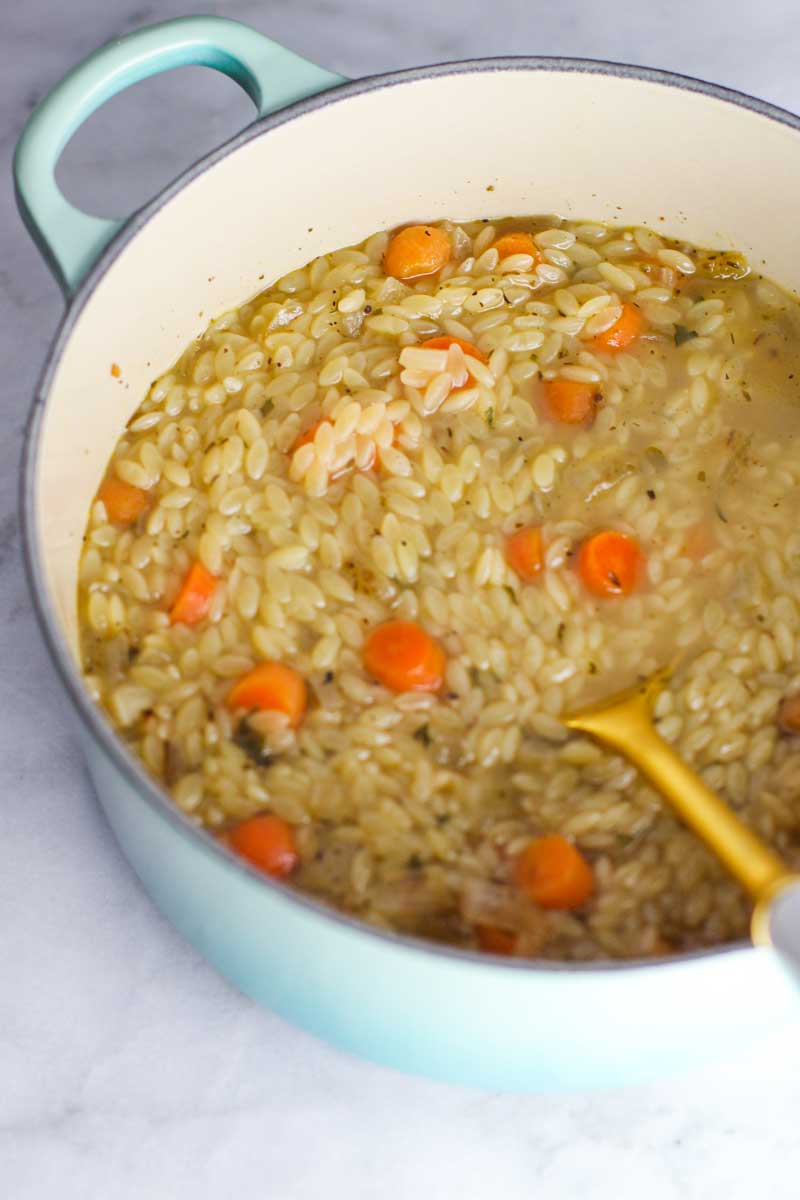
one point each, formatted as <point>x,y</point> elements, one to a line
<point>326,163</point>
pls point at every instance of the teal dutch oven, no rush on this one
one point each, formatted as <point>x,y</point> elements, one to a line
<point>325,163</point>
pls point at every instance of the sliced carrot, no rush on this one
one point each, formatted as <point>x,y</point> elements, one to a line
<point>444,343</point>
<point>417,250</point>
<point>494,940</point>
<point>403,657</point>
<point>123,502</point>
<point>267,842</point>
<point>626,329</point>
<point>553,873</point>
<point>610,563</point>
<point>789,714</point>
<point>271,687</point>
<point>305,438</point>
<point>569,401</point>
<point>524,552</point>
<point>518,243</point>
<point>194,599</point>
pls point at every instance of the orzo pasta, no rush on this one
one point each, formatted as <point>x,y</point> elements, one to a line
<point>361,547</point>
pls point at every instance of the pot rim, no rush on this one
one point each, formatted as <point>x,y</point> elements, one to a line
<point>93,720</point>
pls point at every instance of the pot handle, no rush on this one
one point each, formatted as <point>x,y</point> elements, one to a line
<point>69,239</point>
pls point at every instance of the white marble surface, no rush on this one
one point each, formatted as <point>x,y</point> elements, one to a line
<point>127,1067</point>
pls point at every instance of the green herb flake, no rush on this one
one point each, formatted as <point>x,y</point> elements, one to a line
<point>251,743</point>
<point>490,417</point>
<point>423,734</point>
<point>267,407</point>
<point>682,334</point>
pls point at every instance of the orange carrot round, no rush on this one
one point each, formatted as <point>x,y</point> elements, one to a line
<point>267,842</point>
<point>553,873</point>
<point>123,502</point>
<point>194,599</point>
<point>517,243</point>
<point>305,438</point>
<point>524,552</point>
<point>610,563</point>
<point>444,343</point>
<point>570,401</point>
<point>416,251</point>
<point>626,329</point>
<point>403,657</point>
<point>494,940</point>
<point>271,687</point>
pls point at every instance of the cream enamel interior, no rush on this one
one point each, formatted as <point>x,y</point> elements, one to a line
<point>518,140</point>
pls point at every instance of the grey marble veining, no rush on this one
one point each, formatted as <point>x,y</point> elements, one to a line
<point>128,1068</point>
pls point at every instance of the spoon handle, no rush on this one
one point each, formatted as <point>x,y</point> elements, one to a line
<point>627,726</point>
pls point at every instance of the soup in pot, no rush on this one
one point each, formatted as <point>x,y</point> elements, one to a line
<point>373,534</point>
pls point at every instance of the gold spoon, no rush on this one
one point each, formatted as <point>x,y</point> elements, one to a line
<point>625,723</point>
